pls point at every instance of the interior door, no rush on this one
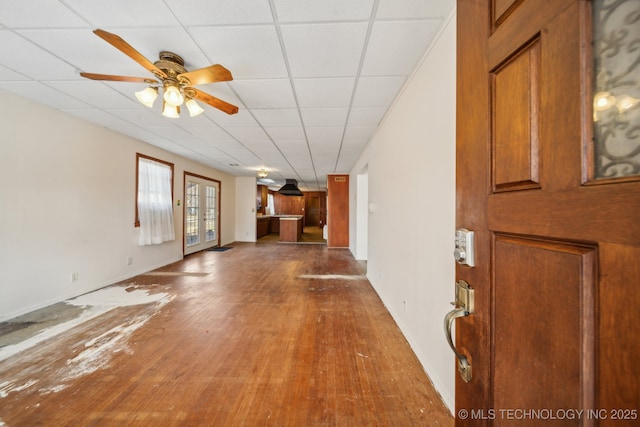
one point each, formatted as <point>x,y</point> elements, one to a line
<point>556,281</point>
<point>312,210</point>
<point>201,213</point>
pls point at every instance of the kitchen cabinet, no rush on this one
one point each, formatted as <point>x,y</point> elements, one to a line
<point>275,224</point>
<point>263,225</point>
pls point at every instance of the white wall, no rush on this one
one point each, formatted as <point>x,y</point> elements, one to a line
<point>246,209</point>
<point>411,167</point>
<point>67,206</point>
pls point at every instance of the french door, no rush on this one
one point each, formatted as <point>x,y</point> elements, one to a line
<point>201,213</point>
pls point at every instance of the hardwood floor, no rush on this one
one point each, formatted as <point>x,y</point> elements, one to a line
<point>259,335</point>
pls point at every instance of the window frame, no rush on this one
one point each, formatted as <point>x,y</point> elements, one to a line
<point>153,159</point>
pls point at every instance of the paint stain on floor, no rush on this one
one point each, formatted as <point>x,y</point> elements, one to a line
<point>45,350</point>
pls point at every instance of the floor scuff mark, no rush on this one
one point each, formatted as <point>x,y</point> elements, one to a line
<point>333,276</point>
<point>174,273</point>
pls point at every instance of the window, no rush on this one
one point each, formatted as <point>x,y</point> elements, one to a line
<point>154,200</point>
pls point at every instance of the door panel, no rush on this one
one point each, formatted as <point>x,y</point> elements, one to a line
<point>547,302</point>
<point>556,254</point>
<point>515,144</point>
<point>201,213</point>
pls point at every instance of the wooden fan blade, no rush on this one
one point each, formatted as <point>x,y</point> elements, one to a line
<point>210,74</point>
<point>124,47</point>
<point>213,101</point>
<point>108,77</point>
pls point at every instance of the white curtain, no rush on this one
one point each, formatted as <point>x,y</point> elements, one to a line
<point>155,206</point>
<point>270,204</point>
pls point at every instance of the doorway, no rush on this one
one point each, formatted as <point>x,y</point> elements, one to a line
<point>201,213</point>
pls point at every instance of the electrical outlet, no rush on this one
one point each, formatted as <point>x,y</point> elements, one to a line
<point>129,260</point>
<point>74,277</point>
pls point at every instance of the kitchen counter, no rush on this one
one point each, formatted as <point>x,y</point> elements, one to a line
<point>290,228</point>
<point>293,224</point>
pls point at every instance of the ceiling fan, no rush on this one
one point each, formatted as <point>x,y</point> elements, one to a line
<point>177,83</point>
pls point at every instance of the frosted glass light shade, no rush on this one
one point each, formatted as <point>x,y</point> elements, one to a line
<point>147,96</point>
<point>172,96</point>
<point>171,111</point>
<point>193,107</point>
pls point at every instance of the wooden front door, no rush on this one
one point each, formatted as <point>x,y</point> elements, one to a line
<point>554,338</point>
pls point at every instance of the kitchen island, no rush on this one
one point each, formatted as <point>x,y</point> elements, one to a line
<point>290,228</point>
<point>291,224</point>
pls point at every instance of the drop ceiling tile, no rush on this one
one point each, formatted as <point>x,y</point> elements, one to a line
<point>353,146</point>
<point>324,116</point>
<point>172,133</point>
<point>97,95</point>
<point>326,10</point>
<point>377,91</point>
<point>293,145</point>
<point>286,133</point>
<point>43,94</point>
<point>43,13</point>
<point>249,134</point>
<point>211,133</point>
<point>221,12</point>
<point>324,92</point>
<point>137,133</point>
<point>346,163</point>
<point>324,136</point>
<point>366,116</point>
<point>99,117</point>
<point>399,9</point>
<point>275,93</point>
<point>359,132</point>
<point>26,58</point>
<point>123,13</point>
<point>145,118</point>
<point>242,118</point>
<point>243,156</point>
<point>7,74</point>
<point>396,47</point>
<point>248,52</point>
<point>279,117</point>
<point>324,50</point>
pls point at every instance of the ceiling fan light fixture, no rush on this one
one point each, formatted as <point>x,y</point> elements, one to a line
<point>147,96</point>
<point>193,107</point>
<point>172,96</point>
<point>171,111</point>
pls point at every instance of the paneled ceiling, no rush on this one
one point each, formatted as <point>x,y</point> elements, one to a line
<point>312,79</point>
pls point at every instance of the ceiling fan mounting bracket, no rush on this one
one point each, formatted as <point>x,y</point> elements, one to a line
<point>172,64</point>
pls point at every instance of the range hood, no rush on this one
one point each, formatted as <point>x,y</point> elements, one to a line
<point>290,188</point>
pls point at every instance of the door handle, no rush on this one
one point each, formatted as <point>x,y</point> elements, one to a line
<point>464,304</point>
